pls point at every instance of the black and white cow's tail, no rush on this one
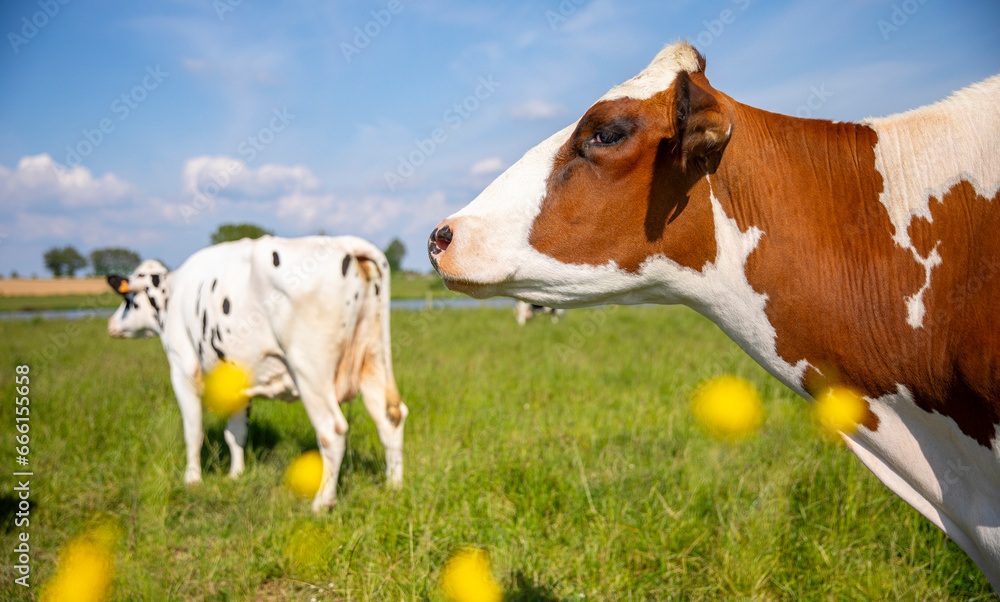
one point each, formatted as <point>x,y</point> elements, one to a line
<point>375,267</point>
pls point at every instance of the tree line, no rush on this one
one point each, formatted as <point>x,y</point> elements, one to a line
<point>67,261</point>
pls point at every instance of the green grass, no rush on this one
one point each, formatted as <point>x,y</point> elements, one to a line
<point>410,285</point>
<point>567,451</point>
<point>41,302</point>
<point>405,285</point>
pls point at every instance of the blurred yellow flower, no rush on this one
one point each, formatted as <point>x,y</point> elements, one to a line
<point>305,474</point>
<point>840,409</point>
<point>467,578</point>
<point>86,567</point>
<point>224,389</point>
<point>728,406</point>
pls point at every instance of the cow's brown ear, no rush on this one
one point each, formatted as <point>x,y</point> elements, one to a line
<point>118,284</point>
<point>703,124</point>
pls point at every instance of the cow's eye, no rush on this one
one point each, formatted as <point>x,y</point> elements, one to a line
<point>608,136</point>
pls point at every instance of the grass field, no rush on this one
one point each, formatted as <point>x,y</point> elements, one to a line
<point>404,286</point>
<point>44,302</point>
<point>567,451</point>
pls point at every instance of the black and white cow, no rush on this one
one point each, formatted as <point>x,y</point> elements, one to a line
<point>525,311</point>
<point>307,317</point>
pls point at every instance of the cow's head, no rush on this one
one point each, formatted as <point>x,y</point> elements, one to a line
<point>599,211</point>
<point>144,301</point>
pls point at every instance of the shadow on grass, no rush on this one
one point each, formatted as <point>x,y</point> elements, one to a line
<point>368,461</point>
<point>9,503</point>
<point>262,438</point>
<point>523,589</point>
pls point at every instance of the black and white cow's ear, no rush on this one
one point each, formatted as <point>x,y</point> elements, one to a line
<point>118,284</point>
<point>703,124</point>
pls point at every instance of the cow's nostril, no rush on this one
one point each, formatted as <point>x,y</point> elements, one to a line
<point>440,239</point>
<point>444,237</point>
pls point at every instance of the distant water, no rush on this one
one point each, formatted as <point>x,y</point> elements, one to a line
<point>57,314</point>
<point>451,303</point>
<point>400,304</point>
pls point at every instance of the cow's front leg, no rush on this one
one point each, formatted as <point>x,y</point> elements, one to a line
<point>236,438</point>
<point>189,400</point>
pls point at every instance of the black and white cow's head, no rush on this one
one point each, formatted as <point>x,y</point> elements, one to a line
<point>144,301</point>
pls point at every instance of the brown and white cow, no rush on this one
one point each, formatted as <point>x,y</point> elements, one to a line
<point>859,254</point>
<point>306,317</point>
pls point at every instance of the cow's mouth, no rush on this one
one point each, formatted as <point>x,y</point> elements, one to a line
<point>477,290</point>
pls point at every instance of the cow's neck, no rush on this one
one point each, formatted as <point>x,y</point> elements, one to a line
<point>848,303</point>
<point>825,254</point>
<point>160,295</point>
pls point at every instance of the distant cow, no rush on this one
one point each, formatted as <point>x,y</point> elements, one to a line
<point>308,317</point>
<point>525,311</point>
<point>861,254</point>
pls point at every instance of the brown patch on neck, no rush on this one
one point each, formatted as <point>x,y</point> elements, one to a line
<point>836,281</point>
<point>628,202</point>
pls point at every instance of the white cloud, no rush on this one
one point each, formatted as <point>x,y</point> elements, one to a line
<point>85,232</point>
<point>304,208</point>
<point>38,180</point>
<point>222,176</point>
<point>486,166</point>
<point>362,216</point>
<point>536,109</point>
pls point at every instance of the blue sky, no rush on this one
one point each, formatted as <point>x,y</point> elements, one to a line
<point>283,115</point>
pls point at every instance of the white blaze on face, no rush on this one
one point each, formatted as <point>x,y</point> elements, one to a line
<point>934,162</point>
<point>492,231</point>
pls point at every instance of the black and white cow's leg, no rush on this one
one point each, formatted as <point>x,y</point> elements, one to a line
<point>236,438</point>
<point>331,434</point>
<point>315,385</point>
<point>189,400</point>
<point>374,389</point>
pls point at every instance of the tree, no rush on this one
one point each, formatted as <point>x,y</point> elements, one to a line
<point>53,261</point>
<point>228,232</point>
<point>74,261</point>
<point>395,253</point>
<point>114,260</point>
<point>66,260</point>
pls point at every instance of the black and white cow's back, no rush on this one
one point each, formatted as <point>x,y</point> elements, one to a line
<point>308,318</point>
